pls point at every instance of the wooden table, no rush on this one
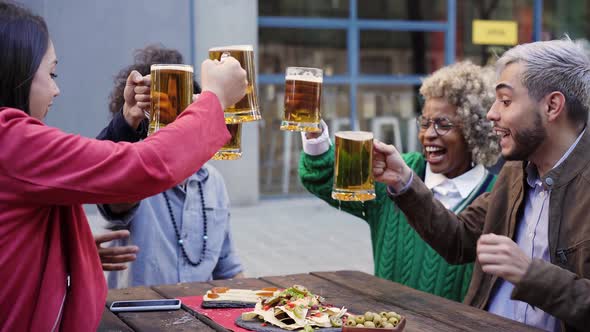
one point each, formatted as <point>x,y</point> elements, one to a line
<point>357,291</point>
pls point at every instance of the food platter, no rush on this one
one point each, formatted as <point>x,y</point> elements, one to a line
<point>223,297</point>
<point>296,309</point>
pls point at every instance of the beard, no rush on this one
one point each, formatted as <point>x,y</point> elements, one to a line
<point>526,141</point>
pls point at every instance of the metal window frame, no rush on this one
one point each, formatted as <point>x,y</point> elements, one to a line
<point>353,25</point>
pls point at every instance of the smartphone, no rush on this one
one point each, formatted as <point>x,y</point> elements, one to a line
<point>145,305</point>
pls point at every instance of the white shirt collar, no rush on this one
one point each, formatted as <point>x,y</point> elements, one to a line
<point>464,183</point>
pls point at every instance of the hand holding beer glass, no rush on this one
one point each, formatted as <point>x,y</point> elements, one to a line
<point>353,170</point>
<point>171,93</point>
<point>246,109</point>
<point>303,93</point>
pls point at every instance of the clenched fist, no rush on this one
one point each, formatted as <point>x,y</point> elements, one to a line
<point>137,98</point>
<point>389,167</point>
<point>225,78</point>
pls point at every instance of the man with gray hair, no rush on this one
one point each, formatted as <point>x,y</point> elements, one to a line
<point>529,237</point>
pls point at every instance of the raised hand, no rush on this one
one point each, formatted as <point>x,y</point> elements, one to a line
<point>389,167</point>
<point>323,126</point>
<point>225,78</point>
<point>137,98</point>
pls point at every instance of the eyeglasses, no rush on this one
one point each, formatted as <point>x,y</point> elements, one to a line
<point>441,125</point>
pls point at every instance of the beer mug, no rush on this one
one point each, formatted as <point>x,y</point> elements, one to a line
<point>246,109</point>
<point>232,150</point>
<point>303,92</point>
<point>171,93</point>
<point>353,171</point>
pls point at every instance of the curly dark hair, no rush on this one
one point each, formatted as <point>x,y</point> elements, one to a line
<point>143,59</point>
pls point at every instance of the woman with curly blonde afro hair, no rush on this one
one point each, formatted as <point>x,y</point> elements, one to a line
<point>467,89</point>
<point>458,144</point>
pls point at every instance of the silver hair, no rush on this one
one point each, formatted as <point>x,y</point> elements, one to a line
<point>556,65</point>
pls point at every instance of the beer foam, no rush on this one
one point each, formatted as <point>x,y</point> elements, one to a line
<point>304,77</point>
<point>232,48</point>
<point>172,67</point>
<point>355,135</point>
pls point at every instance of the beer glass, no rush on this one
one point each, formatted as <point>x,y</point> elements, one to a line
<point>246,109</point>
<point>303,92</point>
<point>171,93</point>
<point>232,150</point>
<point>353,171</point>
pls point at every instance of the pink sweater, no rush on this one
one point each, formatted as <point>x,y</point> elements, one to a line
<point>45,176</point>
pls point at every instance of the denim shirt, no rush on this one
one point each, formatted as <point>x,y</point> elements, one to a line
<point>160,259</point>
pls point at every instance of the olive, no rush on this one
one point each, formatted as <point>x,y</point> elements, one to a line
<point>369,324</point>
<point>395,314</point>
<point>360,319</point>
<point>393,320</point>
<point>336,321</point>
<point>350,322</point>
<point>388,326</point>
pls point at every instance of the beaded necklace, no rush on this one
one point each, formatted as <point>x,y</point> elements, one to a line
<point>179,239</point>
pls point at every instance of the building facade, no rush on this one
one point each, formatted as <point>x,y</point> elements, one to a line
<point>373,53</point>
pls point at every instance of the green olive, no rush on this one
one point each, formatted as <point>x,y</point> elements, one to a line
<point>368,316</point>
<point>395,314</point>
<point>350,322</point>
<point>336,321</point>
<point>388,326</point>
<point>369,324</point>
<point>393,320</point>
<point>378,316</point>
<point>359,319</point>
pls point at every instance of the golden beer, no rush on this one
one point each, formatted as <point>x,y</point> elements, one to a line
<point>353,171</point>
<point>246,109</point>
<point>303,93</point>
<point>171,93</point>
<point>232,150</point>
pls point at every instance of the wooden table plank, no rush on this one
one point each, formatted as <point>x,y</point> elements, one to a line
<point>173,320</point>
<point>357,291</point>
<point>111,323</point>
<point>447,311</point>
<point>359,303</point>
<point>200,288</point>
<point>245,283</point>
<point>183,289</point>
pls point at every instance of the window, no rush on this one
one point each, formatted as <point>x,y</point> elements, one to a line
<point>374,54</point>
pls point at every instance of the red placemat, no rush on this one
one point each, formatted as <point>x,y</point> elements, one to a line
<point>225,317</point>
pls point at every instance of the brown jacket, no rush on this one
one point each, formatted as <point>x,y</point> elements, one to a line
<point>560,288</point>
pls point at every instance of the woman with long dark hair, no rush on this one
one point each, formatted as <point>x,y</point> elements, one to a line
<point>50,271</point>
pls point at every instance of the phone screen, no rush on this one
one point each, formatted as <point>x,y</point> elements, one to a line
<point>146,303</point>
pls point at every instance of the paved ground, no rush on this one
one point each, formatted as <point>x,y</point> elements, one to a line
<point>285,236</point>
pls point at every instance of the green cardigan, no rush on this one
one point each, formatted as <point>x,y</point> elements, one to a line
<point>399,253</point>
